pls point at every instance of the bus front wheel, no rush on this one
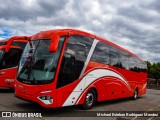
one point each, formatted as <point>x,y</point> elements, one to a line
<point>90,99</point>
<point>135,94</point>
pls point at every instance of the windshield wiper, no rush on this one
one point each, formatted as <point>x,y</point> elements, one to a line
<point>30,72</point>
<point>23,70</point>
<point>28,67</point>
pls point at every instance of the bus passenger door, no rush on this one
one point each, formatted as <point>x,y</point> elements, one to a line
<point>72,64</point>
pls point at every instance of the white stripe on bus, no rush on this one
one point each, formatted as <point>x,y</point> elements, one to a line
<point>89,79</point>
<point>89,56</point>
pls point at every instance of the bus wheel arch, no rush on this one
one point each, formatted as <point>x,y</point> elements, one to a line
<point>90,99</point>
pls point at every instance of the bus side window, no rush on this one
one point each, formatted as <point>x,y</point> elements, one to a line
<point>133,64</point>
<point>143,67</point>
<point>101,54</point>
<point>113,56</point>
<point>123,60</point>
<point>113,59</point>
<point>75,55</point>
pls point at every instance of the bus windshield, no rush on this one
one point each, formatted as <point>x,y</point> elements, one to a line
<point>20,44</point>
<point>37,64</point>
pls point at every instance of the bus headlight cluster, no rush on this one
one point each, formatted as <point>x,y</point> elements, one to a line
<point>46,99</point>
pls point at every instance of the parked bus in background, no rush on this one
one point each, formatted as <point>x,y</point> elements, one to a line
<point>10,52</point>
<point>70,67</point>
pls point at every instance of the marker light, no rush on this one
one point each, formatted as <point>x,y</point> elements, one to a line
<point>46,99</point>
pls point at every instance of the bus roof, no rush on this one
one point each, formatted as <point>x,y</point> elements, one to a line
<point>48,35</point>
<point>7,43</point>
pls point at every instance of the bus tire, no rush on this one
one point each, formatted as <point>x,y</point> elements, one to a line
<point>135,96</point>
<point>90,99</point>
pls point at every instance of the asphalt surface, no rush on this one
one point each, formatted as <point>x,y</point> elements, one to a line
<point>144,104</point>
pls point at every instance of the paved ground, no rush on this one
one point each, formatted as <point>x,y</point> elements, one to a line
<point>147,103</point>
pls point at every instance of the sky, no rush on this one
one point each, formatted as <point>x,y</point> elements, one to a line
<point>132,24</point>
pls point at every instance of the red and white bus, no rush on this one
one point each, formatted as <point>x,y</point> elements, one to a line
<point>10,53</point>
<point>70,67</point>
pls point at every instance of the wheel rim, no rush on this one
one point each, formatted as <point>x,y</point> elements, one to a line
<point>89,99</point>
<point>135,94</point>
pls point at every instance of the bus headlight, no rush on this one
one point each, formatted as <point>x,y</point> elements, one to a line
<point>46,99</point>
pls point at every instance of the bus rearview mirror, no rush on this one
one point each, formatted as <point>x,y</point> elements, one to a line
<point>54,43</point>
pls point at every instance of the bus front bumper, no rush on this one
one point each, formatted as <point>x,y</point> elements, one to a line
<point>44,100</point>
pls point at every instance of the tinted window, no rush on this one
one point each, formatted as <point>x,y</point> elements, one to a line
<point>142,67</point>
<point>11,58</point>
<point>123,60</point>
<point>3,43</point>
<point>133,66</point>
<point>75,55</point>
<point>19,44</point>
<point>100,53</point>
<point>107,54</point>
<point>113,56</point>
<point>2,52</point>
